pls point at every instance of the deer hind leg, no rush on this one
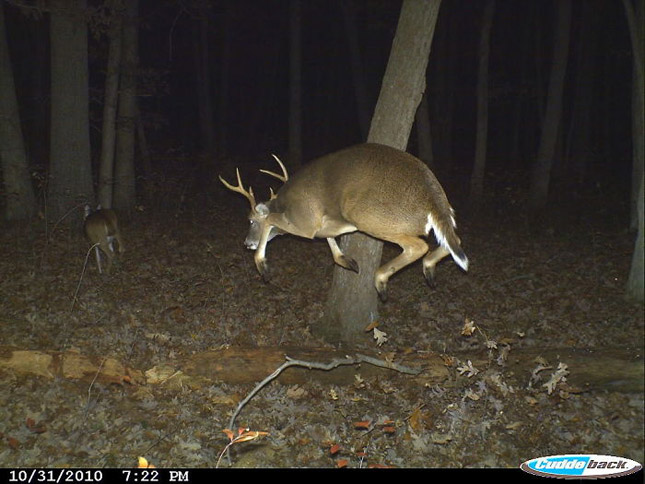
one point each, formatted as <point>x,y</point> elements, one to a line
<point>119,241</point>
<point>109,255</point>
<point>413,249</point>
<point>340,258</point>
<point>431,260</point>
<point>97,254</point>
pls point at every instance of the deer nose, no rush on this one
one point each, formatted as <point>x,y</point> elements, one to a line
<point>251,244</point>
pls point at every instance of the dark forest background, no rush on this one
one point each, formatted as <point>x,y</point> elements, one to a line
<point>213,86</point>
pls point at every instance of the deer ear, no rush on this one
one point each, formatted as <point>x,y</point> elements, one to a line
<point>262,209</point>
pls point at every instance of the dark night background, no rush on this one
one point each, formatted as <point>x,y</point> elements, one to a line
<point>153,358</point>
<point>256,111</point>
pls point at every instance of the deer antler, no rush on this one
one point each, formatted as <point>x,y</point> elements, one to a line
<point>284,177</point>
<point>240,188</point>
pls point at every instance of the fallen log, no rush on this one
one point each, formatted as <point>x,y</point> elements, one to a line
<point>619,370</point>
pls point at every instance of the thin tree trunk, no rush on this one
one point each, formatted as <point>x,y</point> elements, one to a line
<point>20,200</point>
<point>295,87</point>
<point>636,281</point>
<point>477,177</point>
<point>70,183</point>
<point>352,301</point>
<point>124,186</point>
<point>424,131</point>
<point>635,20</point>
<point>541,175</point>
<point>106,167</point>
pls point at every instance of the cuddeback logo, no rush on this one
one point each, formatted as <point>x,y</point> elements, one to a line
<point>580,466</point>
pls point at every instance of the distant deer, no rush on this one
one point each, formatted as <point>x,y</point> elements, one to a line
<point>381,191</point>
<point>102,229</point>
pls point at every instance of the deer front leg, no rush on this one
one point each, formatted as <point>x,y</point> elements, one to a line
<point>340,258</point>
<point>260,253</point>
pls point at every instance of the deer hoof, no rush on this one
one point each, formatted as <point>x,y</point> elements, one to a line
<point>381,288</point>
<point>351,264</point>
<point>429,276</point>
<point>263,268</point>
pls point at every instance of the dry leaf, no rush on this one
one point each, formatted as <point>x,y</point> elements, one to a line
<point>380,337</point>
<point>468,328</point>
<point>144,464</point>
<point>371,326</point>
<point>418,420</point>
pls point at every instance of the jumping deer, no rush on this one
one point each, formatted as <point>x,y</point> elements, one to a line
<point>372,188</point>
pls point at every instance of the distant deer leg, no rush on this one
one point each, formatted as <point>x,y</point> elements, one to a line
<point>109,255</point>
<point>413,248</point>
<point>340,258</point>
<point>431,260</point>
<point>108,266</point>
<point>117,237</point>
<point>98,258</point>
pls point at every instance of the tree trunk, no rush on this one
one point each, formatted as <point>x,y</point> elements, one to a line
<point>636,282</point>
<point>124,187</point>
<point>424,132</point>
<point>70,181</point>
<point>477,177</point>
<point>20,199</point>
<point>352,301</point>
<point>295,87</point>
<point>635,20</point>
<point>106,168</point>
<point>541,175</point>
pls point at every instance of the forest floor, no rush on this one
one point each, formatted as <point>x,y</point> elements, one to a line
<point>186,285</point>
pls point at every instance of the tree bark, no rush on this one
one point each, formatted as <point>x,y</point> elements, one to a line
<point>20,200</point>
<point>636,281</point>
<point>108,136</point>
<point>352,300</point>
<point>541,174</point>
<point>635,19</point>
<point>477,177</point>
<point>124,182</point>
<point>424,132</point>
<point>70,183</point>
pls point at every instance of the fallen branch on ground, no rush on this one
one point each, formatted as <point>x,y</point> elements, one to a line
<point>336,362</point>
